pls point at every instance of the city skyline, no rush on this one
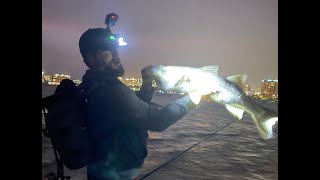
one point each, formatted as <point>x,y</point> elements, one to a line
<point>55,79</point>
<point>240,36</point>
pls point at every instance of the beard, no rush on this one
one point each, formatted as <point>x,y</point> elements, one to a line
<point>118,72</point>
<point>115,70</point>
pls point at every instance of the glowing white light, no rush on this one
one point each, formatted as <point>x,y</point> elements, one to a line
<point>121,42</point>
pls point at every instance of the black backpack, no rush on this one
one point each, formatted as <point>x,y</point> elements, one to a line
<point>65,119</point>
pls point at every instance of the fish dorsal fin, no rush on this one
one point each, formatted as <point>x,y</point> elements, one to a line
<point>210,69</point>
<point>240,78</point>
<point>236,112</point>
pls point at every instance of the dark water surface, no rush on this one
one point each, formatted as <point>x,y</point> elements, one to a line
<point>237,152</point>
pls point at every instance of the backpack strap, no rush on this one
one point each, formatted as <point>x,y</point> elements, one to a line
<point>86,91</point>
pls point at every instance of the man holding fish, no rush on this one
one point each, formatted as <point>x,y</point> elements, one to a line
<point>118,117</point>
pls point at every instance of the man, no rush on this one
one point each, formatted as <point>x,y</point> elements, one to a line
<point>118,117</point>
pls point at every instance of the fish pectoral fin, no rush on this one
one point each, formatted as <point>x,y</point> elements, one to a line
<point>236,112</point>
<point>240,78</point>
<point>213,69</point>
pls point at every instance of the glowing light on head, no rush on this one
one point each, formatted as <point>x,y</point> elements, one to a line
<point>112,38</point>
<point>121,42</point>
<point>116,38</point>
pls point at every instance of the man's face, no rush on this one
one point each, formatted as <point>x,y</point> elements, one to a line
<point>112,61</point>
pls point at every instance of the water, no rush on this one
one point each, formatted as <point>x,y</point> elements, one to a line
<point>236,152</point>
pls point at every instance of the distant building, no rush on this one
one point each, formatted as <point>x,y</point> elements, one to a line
<point>47,77</point>
<point>257,91</point>
<point>54,79</point>
<point>269,87</point>
<point>247,89</point>
<point>57,78</point>
<point>132,83</point>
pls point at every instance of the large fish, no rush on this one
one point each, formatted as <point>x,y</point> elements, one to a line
<point>224,90</point>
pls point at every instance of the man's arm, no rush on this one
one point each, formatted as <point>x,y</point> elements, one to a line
<point>146,92</point>
<point>129,109</point>
<point>162,118</point>
<point>146,89</point>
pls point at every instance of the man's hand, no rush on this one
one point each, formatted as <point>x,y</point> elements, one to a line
<point>147,75</point>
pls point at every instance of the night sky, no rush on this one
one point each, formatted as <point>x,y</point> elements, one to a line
<point>239,35</point>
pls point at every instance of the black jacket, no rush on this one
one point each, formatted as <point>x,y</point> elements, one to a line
<point>119,119</point>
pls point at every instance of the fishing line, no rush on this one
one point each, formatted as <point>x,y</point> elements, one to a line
<point>209,135</point>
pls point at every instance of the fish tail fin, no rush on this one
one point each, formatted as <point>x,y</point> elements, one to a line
<point>239,78</point>
<point>265,122</point>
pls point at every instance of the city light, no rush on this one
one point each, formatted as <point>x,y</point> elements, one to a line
<point>54,79</point>
<point>267,91</point>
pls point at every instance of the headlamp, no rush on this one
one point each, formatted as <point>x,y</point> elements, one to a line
<point>117,39</point>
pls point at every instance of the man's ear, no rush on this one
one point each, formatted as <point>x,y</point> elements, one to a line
<point>93,60</point>
<point>89,60</point>
<point>89,55</point>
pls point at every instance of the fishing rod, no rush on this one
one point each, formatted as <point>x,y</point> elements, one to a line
<point>209,135</point>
